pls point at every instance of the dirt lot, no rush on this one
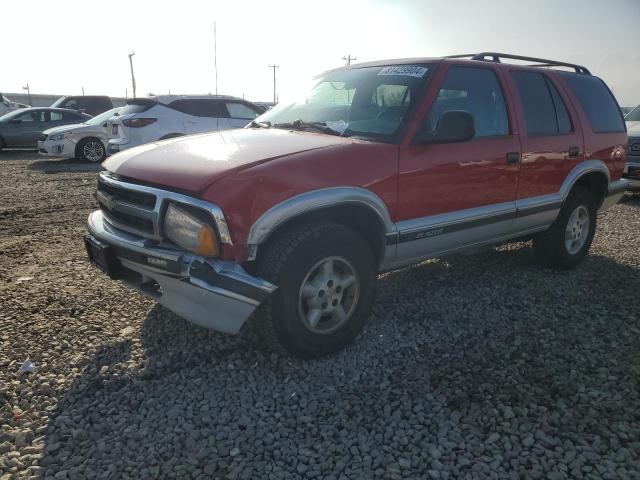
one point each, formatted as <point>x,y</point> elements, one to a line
<point>471,367</point>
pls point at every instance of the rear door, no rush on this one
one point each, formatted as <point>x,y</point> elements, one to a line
<point>550,134</point>
<point>240,114</point>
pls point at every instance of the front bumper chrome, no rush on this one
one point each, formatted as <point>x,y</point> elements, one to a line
<point>214,294</point>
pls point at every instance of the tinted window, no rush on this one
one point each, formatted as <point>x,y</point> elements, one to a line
<point>200,107</point>
<point>32,116</point>
<point>539,111</point>
<point>597,102</point>
<point>136,107</point>
<point>562,116</point>
<point>240,110</point>
<point>473,90</point>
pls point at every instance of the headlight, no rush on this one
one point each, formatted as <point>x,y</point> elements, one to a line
<point>60,136</point>
<point>188,231</point>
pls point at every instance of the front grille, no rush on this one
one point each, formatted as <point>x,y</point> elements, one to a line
<point>127,208</point>
<point>141,224</point>
<point>132,197</point>
<point>43,137</point>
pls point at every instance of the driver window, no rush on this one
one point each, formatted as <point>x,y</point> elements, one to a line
<point>476,91</point>
<point>30,116</point>
<point>391,96</point>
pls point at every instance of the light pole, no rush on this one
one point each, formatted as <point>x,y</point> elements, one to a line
<point>274,82</point>
<point>133,79</point>
<point>215,54</point>
<point>26,87</point>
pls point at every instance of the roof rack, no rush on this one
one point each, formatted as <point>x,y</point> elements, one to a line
<point>539,62</point>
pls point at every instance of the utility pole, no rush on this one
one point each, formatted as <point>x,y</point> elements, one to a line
<point>274,82</point>
<point>215,54</point>
<point>82,91</point>
<point>348,59</point>
<point>26,87</point>
<point>133,79</point>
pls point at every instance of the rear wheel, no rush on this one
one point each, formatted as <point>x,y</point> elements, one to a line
<point>326,278</point>
<point>91,150</point>
<point>568,240</point>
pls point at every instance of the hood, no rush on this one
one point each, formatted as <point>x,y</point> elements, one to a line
<point>633,129</point>
<point>65,128</point>
<point>192,163</point>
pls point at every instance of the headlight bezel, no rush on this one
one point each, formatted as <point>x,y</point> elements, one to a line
<point>57,137</point>
<point>191,228</point>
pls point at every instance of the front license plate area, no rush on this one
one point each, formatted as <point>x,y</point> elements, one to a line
<point>103,256</point>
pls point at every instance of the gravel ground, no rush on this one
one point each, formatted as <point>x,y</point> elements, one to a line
<point>472,367</point>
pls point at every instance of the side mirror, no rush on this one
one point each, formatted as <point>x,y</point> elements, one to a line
<point>453,126</point>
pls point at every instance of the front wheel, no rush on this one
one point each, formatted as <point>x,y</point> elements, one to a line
<point>91,150</point>
<point>326,278</point>
<point>568,240</point>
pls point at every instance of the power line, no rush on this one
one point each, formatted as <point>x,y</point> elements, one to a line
<point>274,81</point>
<point>348,59</point>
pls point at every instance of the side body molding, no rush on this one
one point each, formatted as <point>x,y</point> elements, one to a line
<point>270,220</point>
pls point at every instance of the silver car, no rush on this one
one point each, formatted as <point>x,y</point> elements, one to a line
<point>85,141</point>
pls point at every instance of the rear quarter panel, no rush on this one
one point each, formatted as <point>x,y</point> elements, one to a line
<point>611,148</point>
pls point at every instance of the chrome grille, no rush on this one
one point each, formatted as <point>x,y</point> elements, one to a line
<point>137,208</point>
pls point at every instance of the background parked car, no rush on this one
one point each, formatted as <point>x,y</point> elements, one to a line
<point>145,120</point>
<point>85,141</point>
<point>632,167</point>
<point>90,104</point>
<point>7,105</point>
<point>22,128</point>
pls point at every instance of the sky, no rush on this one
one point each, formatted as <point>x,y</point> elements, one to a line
<point>63,46</point>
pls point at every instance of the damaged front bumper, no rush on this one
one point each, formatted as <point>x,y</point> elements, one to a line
<point>214,294</point>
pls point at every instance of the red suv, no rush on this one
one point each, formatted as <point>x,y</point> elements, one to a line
<point>378,166</point>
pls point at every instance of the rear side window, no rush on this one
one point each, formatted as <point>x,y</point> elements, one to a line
<point>240,110</point>
<point>477,91</point>
<point>200,107</point>
<point>598,103</point>
<point>544,110</point>
<point>136,108</point>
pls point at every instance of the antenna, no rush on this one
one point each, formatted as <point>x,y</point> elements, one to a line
<point>215,54</point>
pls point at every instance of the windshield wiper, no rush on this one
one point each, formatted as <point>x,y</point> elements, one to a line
<point>301,125</point>
<point>257,124</point>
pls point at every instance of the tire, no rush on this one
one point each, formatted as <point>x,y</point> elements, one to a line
<point>299,258</point>
<point>91,150</point>
<point>552,248</point>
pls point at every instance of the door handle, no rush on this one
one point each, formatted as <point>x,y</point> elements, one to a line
<point>513,158</point>
<point>574,151</point>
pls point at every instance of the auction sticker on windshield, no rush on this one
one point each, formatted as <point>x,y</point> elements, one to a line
<point>405,70</point>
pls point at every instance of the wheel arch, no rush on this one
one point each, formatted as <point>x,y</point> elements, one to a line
<point>594,175</point>
<point>354,207</point>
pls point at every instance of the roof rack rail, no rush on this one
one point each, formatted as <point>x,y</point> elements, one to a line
<point>539,62</point>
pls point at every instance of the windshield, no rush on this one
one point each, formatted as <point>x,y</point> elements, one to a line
<point>103,117</point>
<point>633,115</point>
<point>368,102</point>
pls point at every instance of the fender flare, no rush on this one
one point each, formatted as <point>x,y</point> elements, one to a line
<point>580,170</point>
<point>312,200</point>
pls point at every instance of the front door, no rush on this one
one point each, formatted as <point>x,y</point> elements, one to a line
<point>25,129</point>
<point>460,194</point>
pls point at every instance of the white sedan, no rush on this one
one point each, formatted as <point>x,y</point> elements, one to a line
<point>85,141</point>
